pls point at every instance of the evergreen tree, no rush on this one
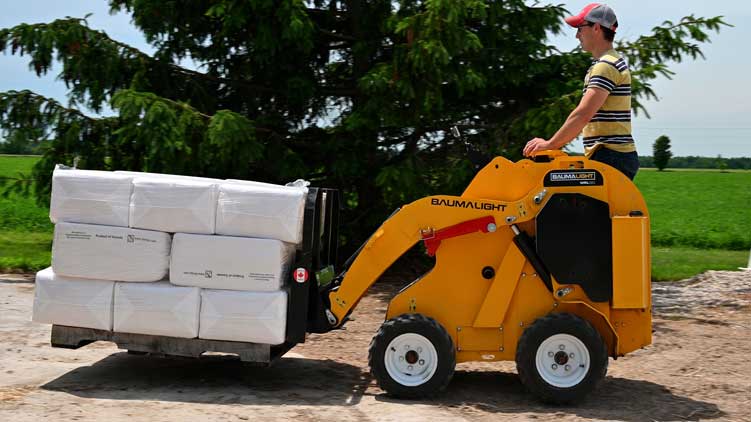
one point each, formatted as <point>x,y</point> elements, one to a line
<point>357,95</point>
<point>661,152</point>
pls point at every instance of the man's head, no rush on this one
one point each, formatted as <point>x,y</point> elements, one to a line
<point>595,23</point>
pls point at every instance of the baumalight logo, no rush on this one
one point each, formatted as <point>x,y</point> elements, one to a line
<point>457,203</point>
<point>573,176</point>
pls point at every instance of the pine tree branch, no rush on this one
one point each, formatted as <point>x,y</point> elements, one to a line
<point>130,62</point>
<point>42,101</point>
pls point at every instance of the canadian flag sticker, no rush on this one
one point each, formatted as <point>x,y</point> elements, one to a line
<point>301,275</point>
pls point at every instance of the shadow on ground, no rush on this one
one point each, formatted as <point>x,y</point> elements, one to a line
<point>215,380</point>
<point>615,399</point>
<point>299,381</point>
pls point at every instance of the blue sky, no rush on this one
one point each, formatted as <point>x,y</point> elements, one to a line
<point>705,108</point>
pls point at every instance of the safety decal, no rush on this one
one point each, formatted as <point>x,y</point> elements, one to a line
<point>301,275</point>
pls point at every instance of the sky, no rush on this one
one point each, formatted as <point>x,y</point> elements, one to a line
<point>705,109</point>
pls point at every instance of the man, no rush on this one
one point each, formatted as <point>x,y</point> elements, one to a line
<point>604,114</point>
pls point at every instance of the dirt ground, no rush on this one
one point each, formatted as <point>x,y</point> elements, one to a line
<point>698,368</point>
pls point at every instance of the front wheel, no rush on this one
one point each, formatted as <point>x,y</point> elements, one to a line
<point>561,358</point>
<point>412,356</point>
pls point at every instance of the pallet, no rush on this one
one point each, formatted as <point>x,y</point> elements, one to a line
<point>76,337</point>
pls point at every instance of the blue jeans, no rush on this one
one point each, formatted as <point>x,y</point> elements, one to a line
<point>626,162</point>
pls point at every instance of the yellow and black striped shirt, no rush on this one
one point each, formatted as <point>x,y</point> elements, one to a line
<point>610,127</point>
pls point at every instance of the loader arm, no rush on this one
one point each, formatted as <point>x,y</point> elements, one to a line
<point>425,219</point>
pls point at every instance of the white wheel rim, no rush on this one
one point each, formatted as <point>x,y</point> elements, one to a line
<point>411,359</point>
<point>562,360</point>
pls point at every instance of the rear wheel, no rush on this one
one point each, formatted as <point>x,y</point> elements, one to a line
<point>412,356</point>
<point>561,358</point>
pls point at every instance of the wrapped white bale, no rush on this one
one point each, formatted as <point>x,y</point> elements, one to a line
<point>90,196</point>
<point>159,309</point>
<point>110,253</point>
<point>72,301</point>
<point>256,209</point>
<point>172,204</point>
<point>257,317</point>
<point>232,263</point>
<point>135,174</point>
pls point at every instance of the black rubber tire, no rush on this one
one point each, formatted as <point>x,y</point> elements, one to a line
<point>545,327</point>
<point>426,327</point>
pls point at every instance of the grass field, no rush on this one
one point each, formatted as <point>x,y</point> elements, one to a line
<point>699,209</point>
<point>701,220</point>
<point>25,228</point>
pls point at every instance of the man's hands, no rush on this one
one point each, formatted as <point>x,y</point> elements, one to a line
<point>537,144</point>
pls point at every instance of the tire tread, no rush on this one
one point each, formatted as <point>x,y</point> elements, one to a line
<point>381,339</point>
<point>527,349</point>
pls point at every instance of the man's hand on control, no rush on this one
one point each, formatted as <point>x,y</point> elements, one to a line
<point>537,144</point>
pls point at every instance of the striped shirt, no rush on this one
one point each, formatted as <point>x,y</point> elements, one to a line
<point>610,127</point>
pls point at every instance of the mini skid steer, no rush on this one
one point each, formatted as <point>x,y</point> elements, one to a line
<point>543,261</point>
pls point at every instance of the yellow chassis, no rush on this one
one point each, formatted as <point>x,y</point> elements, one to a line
<point>486,317</point>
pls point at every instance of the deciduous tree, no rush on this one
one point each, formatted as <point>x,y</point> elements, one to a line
<point>661,152</point>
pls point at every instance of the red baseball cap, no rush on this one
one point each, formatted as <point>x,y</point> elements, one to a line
<point>595,13</point>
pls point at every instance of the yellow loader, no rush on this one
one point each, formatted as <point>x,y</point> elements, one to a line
<point>544,261</point>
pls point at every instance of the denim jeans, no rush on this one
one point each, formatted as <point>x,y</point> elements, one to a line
<point>626,162</point>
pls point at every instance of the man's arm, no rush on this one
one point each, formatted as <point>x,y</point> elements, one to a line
<point>592,100</point>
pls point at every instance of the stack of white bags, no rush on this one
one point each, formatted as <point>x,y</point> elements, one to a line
<point>170,255</point>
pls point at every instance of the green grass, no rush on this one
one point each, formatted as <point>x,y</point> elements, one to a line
<point>701,220</point>
<point>670,170</point>
<point>698,209</point>
<point>25,228</point>
<point>677,263</point>
<point>27,251</point>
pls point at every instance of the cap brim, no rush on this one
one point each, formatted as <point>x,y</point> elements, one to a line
<point>575,21</point>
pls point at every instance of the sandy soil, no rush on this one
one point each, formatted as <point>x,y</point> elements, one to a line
<point>699,368</point>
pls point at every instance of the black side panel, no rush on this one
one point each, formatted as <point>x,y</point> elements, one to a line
<point>574,236</point>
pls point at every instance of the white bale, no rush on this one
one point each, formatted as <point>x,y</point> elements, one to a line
<point>90,196</point>
<point>172,204</point>
<point>256,209</point>
<point>159,309</point>
<point>110,253</point>
<point>257,317</point>
<point>135,174</point>
<point>72,301</point>
<point>232,263</point>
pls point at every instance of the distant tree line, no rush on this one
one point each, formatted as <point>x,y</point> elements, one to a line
<point>21,145</point>
<point>694,162</point>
